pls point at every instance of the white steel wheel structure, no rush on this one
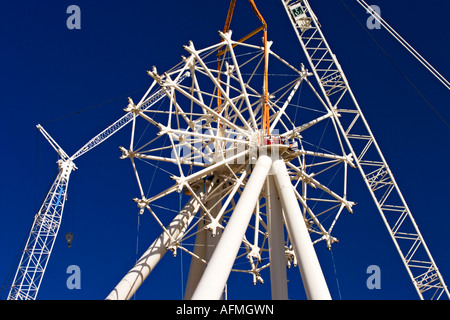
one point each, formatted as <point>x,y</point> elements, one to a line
<point>259,196</point>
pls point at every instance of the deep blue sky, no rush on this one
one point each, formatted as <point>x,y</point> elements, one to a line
<point>48,72</point>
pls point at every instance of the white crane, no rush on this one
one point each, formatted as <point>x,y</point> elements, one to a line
<point>47,221</point>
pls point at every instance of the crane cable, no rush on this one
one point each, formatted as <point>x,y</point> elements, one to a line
<point>335,274</point>
<point>92,107</point>
<point>405,44</point>
<point>396,66</point>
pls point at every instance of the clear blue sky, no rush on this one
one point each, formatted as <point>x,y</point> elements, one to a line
<point>48,71</point>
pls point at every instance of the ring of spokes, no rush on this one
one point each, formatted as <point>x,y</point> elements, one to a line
<point>209,149</point>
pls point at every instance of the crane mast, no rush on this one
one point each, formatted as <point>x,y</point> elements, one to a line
<point>40,242</point>
<point>394,211</point>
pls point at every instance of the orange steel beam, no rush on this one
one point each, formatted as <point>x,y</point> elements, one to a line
<point>265,119</point>
<point>229,16</point>
<point>225,30</point>
<point>251,34</point>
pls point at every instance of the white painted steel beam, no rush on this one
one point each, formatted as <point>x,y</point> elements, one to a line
<point>278,278</point>
<point>212,283</point>
<point>205,243</point>
<point>312,276</point>
<point>197,266</point>
<point>128,286</point>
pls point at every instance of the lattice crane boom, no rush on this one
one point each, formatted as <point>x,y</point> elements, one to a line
<point>123,121</point>
<point>53,143</point>
<point>369,159</point>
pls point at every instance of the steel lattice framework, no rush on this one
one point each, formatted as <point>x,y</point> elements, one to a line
<point>209,129</point>
<point>367,154</point>
<point>212,131</point>
<point>247,148</point>
<point>41,239</point>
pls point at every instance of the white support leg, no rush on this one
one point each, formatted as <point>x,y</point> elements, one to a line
<point>211,241</point>
<point>278,278</point>
<point>212,283</point>
<point>197,267</point>
<point>204,247</point>
<point>313,279</point>
<point>128,286</point>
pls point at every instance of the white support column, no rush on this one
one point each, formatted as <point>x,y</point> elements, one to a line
<point>313,279</point>
<point>205,243</point>
<point>278,278</point>
<point>197,267</point>
<point>210,286</point>
<point>214,209</point>
<point>128,286</point>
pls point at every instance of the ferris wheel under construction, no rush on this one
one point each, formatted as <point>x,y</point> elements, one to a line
<point>264,186</point>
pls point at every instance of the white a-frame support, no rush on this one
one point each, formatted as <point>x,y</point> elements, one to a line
<point>128,286</point>
<point>215,276</point>
<point>282,204</point>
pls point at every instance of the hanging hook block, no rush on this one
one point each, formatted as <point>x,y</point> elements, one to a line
<point>69,238</point>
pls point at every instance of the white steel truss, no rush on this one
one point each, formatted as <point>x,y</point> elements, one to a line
<point>208,131</point>
<point>366,153</point>
<point>40,242</point>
